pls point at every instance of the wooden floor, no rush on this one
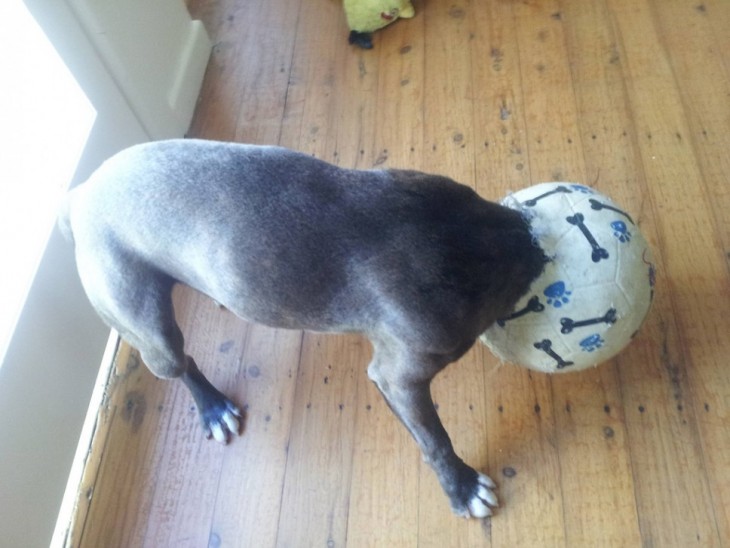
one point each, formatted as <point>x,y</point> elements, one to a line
<point>631,96</point>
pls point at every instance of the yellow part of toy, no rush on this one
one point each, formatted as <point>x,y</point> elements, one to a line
<point>371,15</point>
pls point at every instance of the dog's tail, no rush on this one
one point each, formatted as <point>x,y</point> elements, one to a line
<point>64,218</point>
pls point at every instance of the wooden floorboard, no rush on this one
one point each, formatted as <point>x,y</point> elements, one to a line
<point>630,96</point>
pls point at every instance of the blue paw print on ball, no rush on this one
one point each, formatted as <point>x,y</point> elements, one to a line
<point>592,343</point>
<point>557,294</point>
<point>583,189</point>
<point>621,231</point>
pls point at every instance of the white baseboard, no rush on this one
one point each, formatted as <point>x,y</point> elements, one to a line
<point>68,504</point>
<point>183,93</point>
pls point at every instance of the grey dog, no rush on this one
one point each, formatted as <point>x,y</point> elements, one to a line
<point>418,263</point>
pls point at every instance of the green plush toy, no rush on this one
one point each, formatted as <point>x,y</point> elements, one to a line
<point>366,16</point>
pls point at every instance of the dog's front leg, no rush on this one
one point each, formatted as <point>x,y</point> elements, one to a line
<point>406,388</point>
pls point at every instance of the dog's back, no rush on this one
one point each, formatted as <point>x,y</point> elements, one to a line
<point>287,240</point>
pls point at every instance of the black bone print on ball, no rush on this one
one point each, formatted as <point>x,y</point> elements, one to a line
<point>651,272</point>
<point>533,201</point>
<point>598,206</point>
<point>568,324</point>
<point>533,305</point>
<point>546,345</point>
<point>598,252</point>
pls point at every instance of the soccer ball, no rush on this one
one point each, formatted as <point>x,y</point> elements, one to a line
<point>595,291</point>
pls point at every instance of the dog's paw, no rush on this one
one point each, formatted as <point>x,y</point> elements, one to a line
<point>483,499</point>
<point>474,497</point>
<point>221,420</point>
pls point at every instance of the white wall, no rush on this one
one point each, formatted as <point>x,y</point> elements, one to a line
<point>141,63</point>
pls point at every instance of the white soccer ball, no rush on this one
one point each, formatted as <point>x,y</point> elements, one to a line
<point>594,293</point>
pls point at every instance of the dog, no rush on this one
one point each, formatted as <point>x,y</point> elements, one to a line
<point>418,263</point>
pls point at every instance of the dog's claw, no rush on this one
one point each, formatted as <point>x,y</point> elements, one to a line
<point>478,509</point>
<point>481,504</point>
<point>230,418</point>
<point>487,482</point>
<point>488,497</point>
<point>218,433</point>
<point>219,416</point>
<point>222,422</point>
<point>479,498</point>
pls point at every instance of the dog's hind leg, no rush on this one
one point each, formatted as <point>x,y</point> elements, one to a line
<point>404,380</point>
<point>136,300</point>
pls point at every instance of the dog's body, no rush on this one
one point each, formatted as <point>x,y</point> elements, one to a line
<point>419,264</point>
